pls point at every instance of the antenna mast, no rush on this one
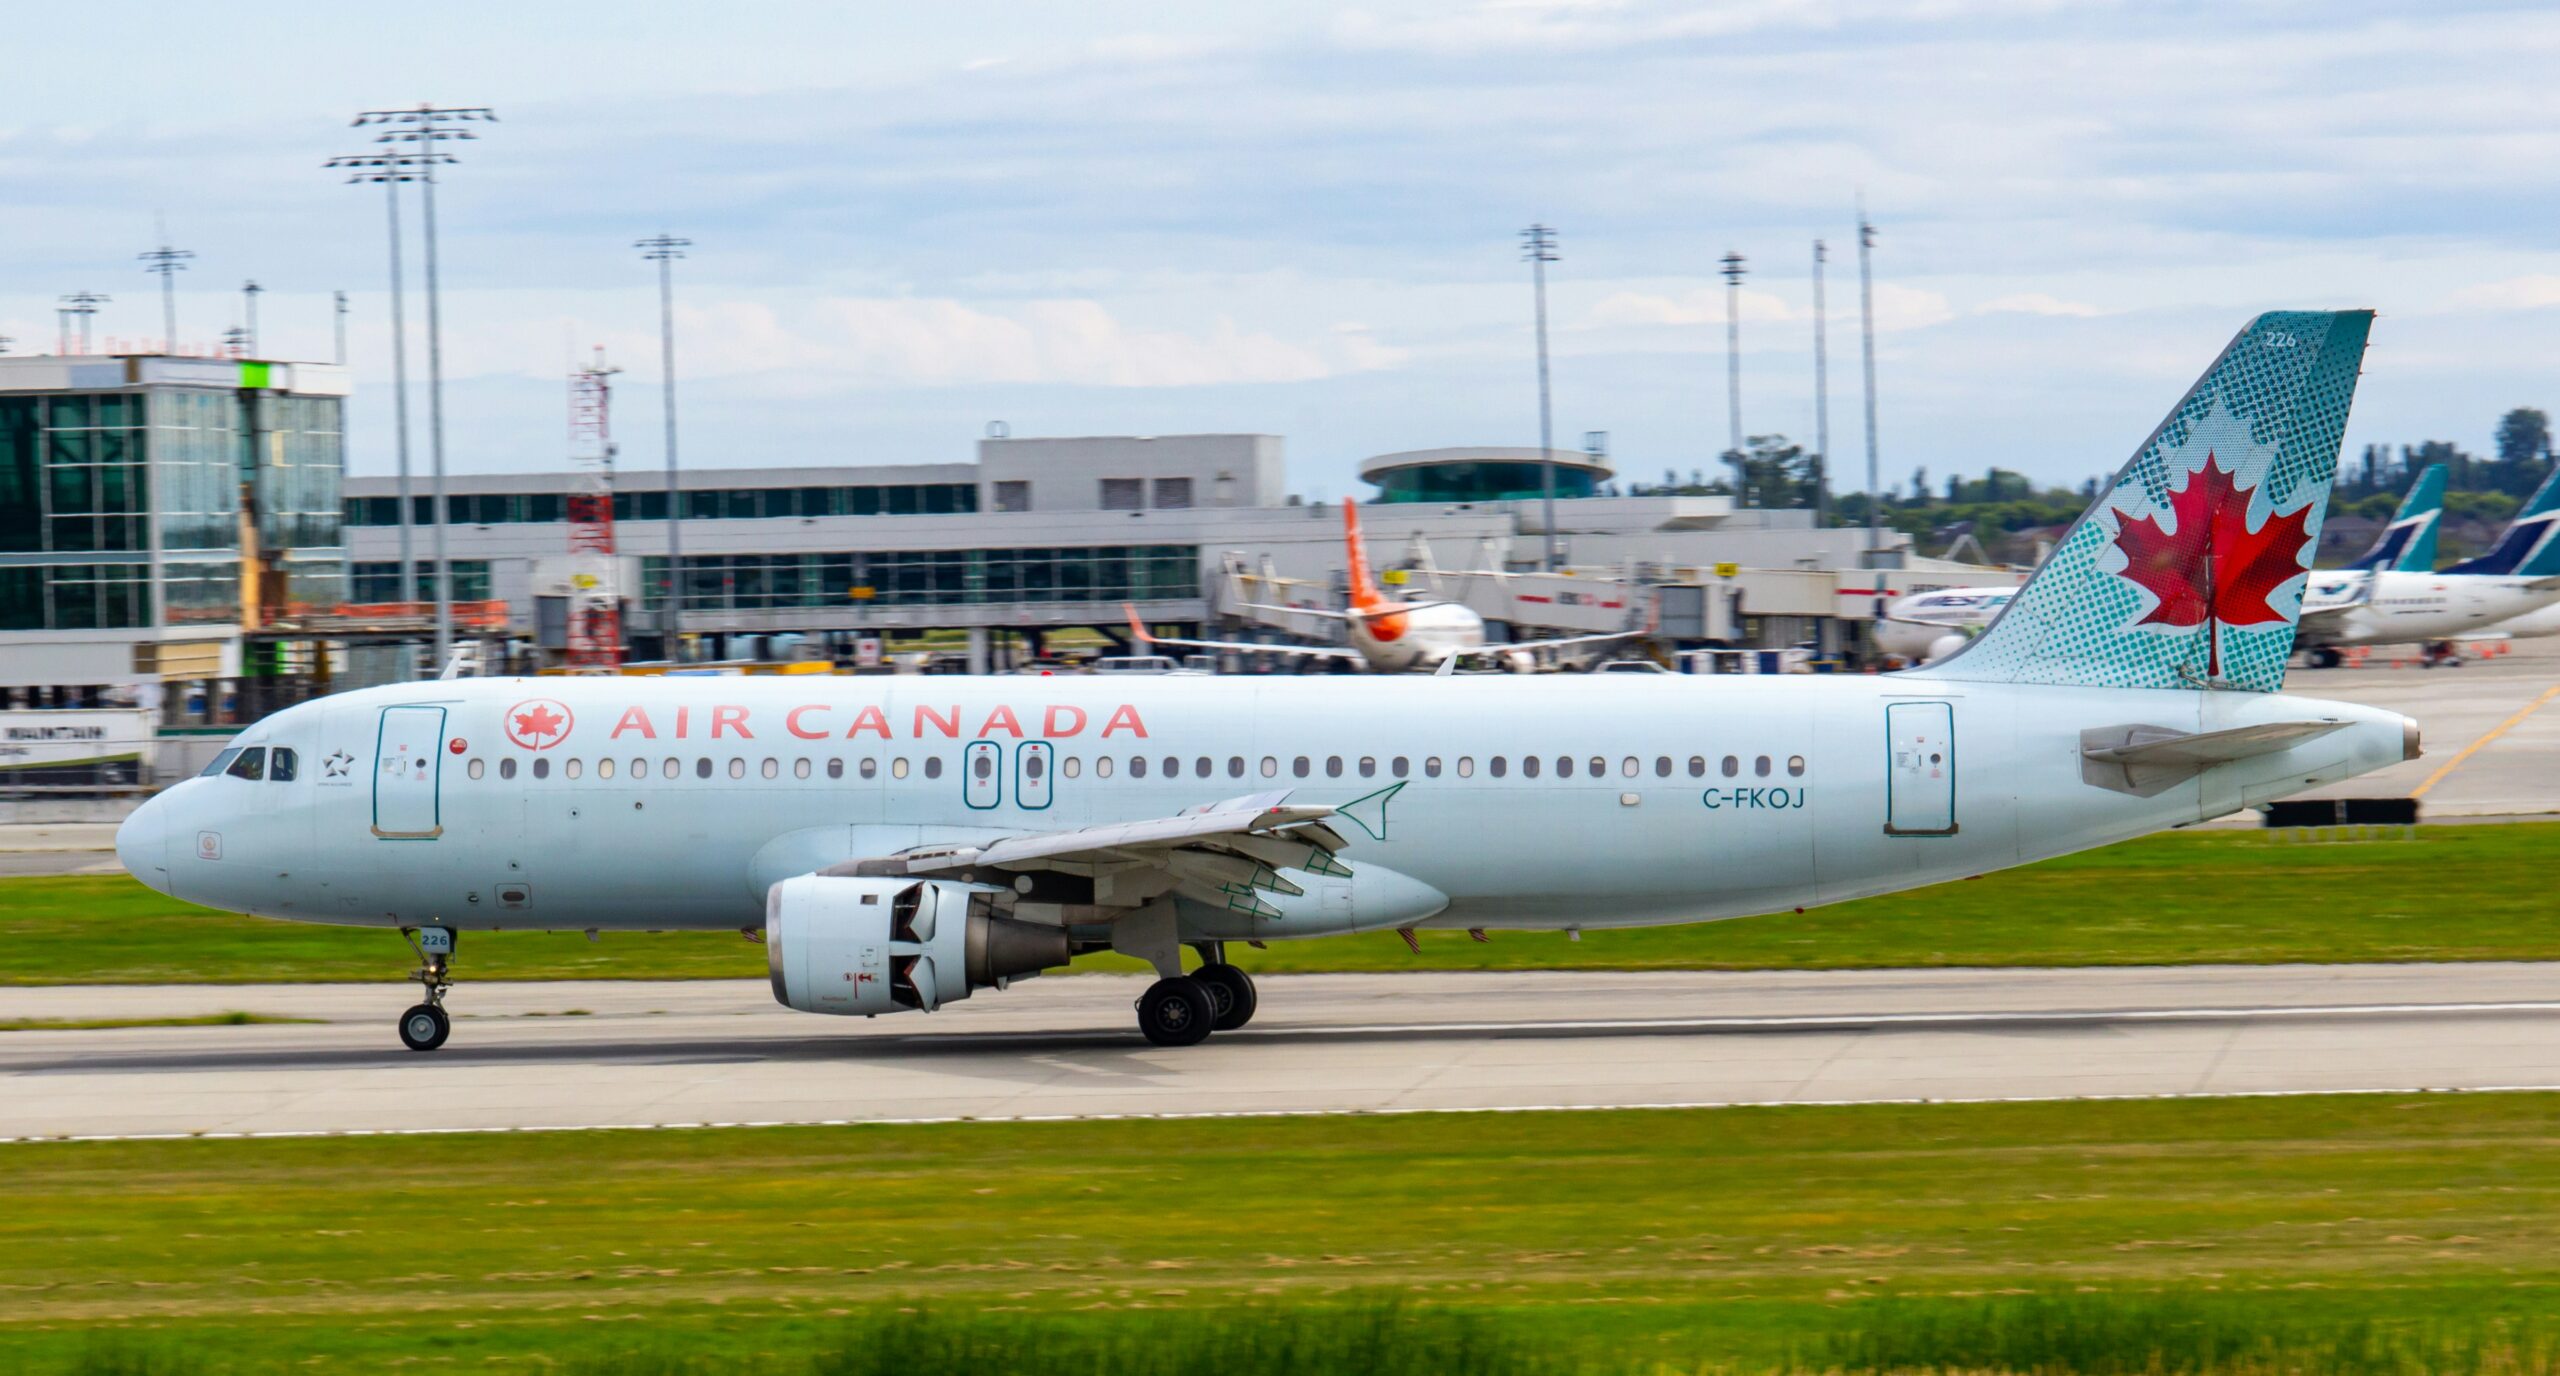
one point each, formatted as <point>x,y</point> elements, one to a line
<point>595,592</point>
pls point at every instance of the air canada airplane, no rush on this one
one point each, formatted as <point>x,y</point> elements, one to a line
<point>903,844</point>
<point>1935,624</point>
<point>2395,595</point>
<point>1387,635</point>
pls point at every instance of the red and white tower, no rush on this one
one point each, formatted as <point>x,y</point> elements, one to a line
<point>595,584</point>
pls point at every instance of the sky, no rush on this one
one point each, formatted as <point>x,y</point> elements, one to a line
<point>1130,217</point>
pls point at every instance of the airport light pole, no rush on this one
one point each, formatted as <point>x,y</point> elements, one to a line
<point>339,300</point>
<point>1733,275</point>
<point>1821,397</point>
<point>1538,247</point>
<point>426,126</point>
<point>168,262</point>
<point>249,293</point>
<point>83,304</point>
<point>391,169</point>
<point>1867,340</point>
<point>664,249</point>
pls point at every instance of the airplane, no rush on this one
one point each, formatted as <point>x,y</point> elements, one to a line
<point>2530,547</point>
<point>1934,624</point>
<point>1387,635</point>
<point>902,844</point>
<point>2393,595</point>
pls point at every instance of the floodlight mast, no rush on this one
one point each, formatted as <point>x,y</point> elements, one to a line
<point>1734,272</point>
<point>83,304</point>
<point>425,126</point>
<point>168,262</point>
<point>1538,247</point>
<point>664,249</point>
<point>391,169</point>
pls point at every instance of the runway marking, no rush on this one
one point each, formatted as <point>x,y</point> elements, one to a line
<point>1389,1112</point>
<point>2474,748</point>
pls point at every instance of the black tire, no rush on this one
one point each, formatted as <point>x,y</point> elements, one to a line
<point>1175,1012</point>
<point>1231,995</point>
<point>424,1027</point>
<point>2326,657</point>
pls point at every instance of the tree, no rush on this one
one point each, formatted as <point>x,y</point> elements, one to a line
<point>1775,473</point>
<point>2524,436</point>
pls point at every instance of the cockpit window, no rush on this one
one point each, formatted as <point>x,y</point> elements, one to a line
<point>280,765</point>
<point>251,765</point>
<point>220,763</point>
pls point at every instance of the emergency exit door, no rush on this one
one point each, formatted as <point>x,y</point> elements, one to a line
<point>1033,760</point>
<point>408,765</point>
<point>982,774</point>
<point>1920,769</point>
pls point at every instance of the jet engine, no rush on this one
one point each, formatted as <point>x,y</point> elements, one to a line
<point>868,946</point>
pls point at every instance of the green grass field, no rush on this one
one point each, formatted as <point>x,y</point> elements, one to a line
<point>2451,893</point>
<point>2061,1237</point>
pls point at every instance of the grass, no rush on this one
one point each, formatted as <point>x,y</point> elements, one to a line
<point>2296,1233</point>
<point>232,1019</point>
<point>2448,893</point>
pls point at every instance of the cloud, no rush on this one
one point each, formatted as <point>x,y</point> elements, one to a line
<point>2035,303</point>
<point>1697,306</point>
<point>2534,291</point>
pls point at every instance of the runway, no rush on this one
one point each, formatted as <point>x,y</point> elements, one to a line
<point>632,1054</point>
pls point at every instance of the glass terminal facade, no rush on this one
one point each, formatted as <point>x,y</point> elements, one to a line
<point>916,578</point>
<point>1481,481</point>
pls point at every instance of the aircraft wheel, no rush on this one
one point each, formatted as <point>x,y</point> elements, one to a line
<point>424,1027</point>
<point>1175,1012</point>
<point>2326,657</point>
<point>1231,996</point>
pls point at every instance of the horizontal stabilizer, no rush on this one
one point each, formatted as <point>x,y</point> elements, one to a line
<point>2147,760</point>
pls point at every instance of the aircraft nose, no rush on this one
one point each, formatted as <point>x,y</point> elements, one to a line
<point>142,844</point>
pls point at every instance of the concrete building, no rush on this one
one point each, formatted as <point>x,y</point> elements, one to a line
<point>151,505</point>
<point>1046,533</point>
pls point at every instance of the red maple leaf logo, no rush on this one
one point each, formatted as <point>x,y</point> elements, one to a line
<point>535,726</point>
<point>2214,568</point>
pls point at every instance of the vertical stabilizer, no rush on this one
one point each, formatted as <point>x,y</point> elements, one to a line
<point>2187,571</point>
<point>1365,592</point>
<point>2530,548</point>
<point>2408,544</point>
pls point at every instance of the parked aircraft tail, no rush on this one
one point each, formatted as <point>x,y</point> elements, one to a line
<point>2531,546</point>
<point>2408,544</point>
<point>1366,595</point>
<point>2187,572</point>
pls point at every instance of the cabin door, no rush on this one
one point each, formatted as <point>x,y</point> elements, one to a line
<point>1033,761</point>
<point>408,767</point>
<point>1920,769</point>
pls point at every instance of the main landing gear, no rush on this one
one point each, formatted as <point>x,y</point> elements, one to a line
<point>1184,1009</point>
<point>424,1027</point>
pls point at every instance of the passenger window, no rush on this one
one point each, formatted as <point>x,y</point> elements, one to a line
<point>1430,766</point>
<point>1071,766</point>
<point>604,767</point>
<point>1497,766</point>
<point>702,767</point>
<point>1368,766</point>
<point>280,765</point>
<point>1032,768</point>
<point>1235,766</point>
<point>639,770</point>
<point>1396,766</point>
<point>675,768</point>
<point>252,764</point>
<point>898,767</point>
<point>737,766</point>
<point>1172,767</point>
<point>1298,766</point>
<point>870,769</point>
<point>1137,766</point>
<point>1795,766</point>
<point>1599,768</point>
<point>1202,766</point>
<point>835,769</point>
<point>507,767</point>
<point>1270,767</point>
<point>1630,768</point>
<point>772,768</point>
<point>1466,766</point>
<point>1732,766</point>
<point>1697,766</point>
<point>984,766</point>
<point>541,767</point>
<point>933,766</point>
<point>1662,766</point>
<point>1528,766</point>
<point>222,762</point>
<point>1761,766</point>
<point>571,768</point>
<point>1333,766</point>
<point>800,768</point>
<point>1564,766</point>
<point>1102,766</point>
<point>473,769</point>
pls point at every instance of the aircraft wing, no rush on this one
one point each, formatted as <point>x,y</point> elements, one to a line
<point>2324,623</point>
<point>1147,637</point>
<point>1392,609</point>
<point>1222,853</point>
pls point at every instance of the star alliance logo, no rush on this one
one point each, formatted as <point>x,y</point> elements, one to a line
<point>338,765</point>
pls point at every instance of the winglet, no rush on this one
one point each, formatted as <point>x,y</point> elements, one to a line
<point>1134,628</point>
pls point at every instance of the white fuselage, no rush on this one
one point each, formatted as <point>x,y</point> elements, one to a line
<point>1406,641</point>
<point>2533,624</point>
<point>2396,608</point>
<point>1916,626</point>
<point>651,803</point>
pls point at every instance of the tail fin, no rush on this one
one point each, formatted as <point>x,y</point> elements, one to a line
<point>2187,571</point>
<point>1365,592</point>
<point>2531,546</point>
<point>2408,544</point>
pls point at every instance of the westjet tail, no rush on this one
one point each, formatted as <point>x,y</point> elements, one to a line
<point>902,844</point>
<point>2408,544</point>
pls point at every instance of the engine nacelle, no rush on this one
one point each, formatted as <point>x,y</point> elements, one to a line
<point>847,945</point>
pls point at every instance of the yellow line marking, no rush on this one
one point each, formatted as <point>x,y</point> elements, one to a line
<point>2474,748</point>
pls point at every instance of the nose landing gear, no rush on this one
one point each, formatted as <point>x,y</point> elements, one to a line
<point>424,1027</point>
